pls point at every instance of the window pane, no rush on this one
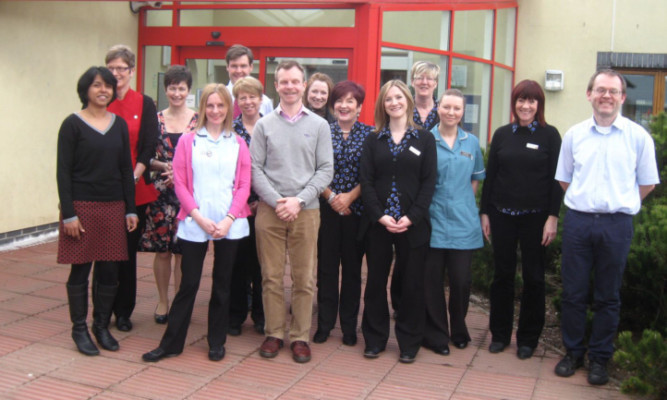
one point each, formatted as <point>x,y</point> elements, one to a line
<point>474,80</point>
<point>158,18</point>
<point>428,29</point>
<point>396,64</point>
<point>502,93</point>
<point>473,31</point>
<point>157,59</point>
<point>268,18</point>
<point>506,18</point>
<point>638,104</point>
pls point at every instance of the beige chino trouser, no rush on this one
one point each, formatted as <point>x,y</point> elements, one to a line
<point>275,240</point>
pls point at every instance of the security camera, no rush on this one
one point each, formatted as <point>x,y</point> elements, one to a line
<point>135,6</point>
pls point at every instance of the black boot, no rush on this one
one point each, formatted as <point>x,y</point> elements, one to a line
<point>103,299</point>
<point>78,311</point>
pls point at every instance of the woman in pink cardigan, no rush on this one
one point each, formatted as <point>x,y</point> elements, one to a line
<point>212,182</point>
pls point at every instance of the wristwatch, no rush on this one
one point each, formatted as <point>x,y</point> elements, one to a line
<point>301,202</point>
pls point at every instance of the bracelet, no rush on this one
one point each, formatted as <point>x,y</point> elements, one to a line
<point>231,217</point>
<point>331,197</point>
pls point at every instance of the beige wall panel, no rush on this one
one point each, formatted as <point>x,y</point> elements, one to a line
<point>567,35</point>
<point>46,46</point>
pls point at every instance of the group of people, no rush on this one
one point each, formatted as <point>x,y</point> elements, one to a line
<point>307,186</point>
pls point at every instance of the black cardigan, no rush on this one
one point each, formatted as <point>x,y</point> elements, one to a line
<point>415,169</point>
<point>521,170</point>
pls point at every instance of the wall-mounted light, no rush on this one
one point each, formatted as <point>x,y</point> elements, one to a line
<point>554,80</point>
<point>135,6</point>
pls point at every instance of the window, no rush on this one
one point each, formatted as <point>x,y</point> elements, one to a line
<point>645,95</point>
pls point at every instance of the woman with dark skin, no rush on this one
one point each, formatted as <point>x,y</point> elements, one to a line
<point>340,219</point>
<point>398,175</point>
<point>96,192</point>
<point>520,205</point>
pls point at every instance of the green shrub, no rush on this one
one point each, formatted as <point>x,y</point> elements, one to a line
<point>646,360</point>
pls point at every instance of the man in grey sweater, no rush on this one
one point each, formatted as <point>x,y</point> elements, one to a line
<point>292,163</point>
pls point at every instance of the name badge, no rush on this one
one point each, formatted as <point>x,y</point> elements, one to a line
<point>466,154</point>
<point>417,152</point>
<point>532,146</point>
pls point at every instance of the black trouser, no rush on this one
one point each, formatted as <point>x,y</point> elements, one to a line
<point>506,232</point>
<point>246,278</point>
<point>106,273</point>
<point>126,297</point>
<point>457,263</point>
<point>337,246</point>
<point>411,313</point>
<point>180,313</point>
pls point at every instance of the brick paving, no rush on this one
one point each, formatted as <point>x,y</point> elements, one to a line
<point>38,359</point>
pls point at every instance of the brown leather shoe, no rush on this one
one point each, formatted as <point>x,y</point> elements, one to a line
<point>270,347</point>
<point>300,351</point>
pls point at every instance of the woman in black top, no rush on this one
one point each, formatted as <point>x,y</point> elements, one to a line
<point>398,175</point>
<point>96,190</point>
<point>340,216</point>
<point>520,203</point>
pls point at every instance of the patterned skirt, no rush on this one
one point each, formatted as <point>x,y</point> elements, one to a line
<point>161,223</point>
<point>104,239</point>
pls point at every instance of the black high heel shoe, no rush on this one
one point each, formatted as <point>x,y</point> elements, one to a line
<point>160,318</point>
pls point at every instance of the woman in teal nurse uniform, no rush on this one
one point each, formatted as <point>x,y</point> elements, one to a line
<point>456,229</point>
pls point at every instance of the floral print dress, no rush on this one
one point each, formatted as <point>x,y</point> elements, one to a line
<point>161,223</point>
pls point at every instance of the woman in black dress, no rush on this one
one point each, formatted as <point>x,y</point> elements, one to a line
<point>96,191</point>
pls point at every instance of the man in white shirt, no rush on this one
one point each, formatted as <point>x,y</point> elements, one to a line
<point>239,65</point>
<point>607,167</point>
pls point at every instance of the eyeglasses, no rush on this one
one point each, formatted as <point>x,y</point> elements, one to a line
<point>118,69</point>
<point>602,91</point>
<point>424,78</point>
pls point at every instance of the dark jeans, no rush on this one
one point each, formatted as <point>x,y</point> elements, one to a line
<point>180,313</point>
<point>411,313</point>
<point>126,297</point>
<point>338,248</point>
<point>597,243</point>
<point>457,263</point>
<point>246,279</point>
<point>506,232</point>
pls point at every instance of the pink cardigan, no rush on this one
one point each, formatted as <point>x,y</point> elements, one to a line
<point>183,184</point>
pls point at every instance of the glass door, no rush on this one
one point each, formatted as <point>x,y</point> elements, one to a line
<point>209,65</point>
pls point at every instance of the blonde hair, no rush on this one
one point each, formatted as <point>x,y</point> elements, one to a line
<point>222,91</point>
<point>381,117</point>
<point>248,84</point>
<point>424,67</point>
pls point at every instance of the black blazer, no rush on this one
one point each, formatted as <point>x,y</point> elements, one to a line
<point>415,172</point>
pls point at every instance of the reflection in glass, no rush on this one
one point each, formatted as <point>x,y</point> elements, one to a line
<point>428,29</point>
<point>473,33</point>
<point>474,80</point>
<point>157,59</point>
<point>638,104</point>
<point>396,64</point>
<point>268,18</point>
<point>206,71</point>
<point>506,22</point>
<point>158,17</point>
<point>502,93</point>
